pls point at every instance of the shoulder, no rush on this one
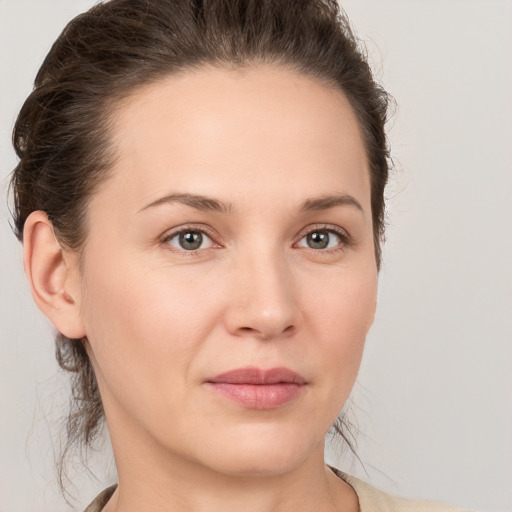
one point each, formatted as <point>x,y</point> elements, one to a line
<point>101,500</point>
<point>372,499</point>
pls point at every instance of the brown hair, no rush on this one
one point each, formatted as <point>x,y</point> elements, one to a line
<point>62,135</point>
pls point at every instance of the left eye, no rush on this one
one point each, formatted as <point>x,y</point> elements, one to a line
<point>320,239</point>
<point>190,240</point>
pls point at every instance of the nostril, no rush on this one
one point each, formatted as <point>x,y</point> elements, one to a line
<point>264,334</point>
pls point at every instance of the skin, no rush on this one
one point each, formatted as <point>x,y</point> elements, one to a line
<point>267,147</point>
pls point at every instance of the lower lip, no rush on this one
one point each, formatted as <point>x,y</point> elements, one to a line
<point>259,396</point>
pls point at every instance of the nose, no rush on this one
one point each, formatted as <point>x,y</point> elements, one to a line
<point>263,301</point>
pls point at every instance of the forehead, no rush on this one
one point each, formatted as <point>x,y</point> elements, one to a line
<point>214,128</point>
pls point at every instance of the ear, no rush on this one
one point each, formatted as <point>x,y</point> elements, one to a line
<point>53,275</point>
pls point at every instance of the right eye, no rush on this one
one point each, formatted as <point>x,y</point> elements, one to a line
<point>189,240</point>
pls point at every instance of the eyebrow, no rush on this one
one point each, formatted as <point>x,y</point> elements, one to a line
<point>195,201</point>
<point>327,202</point>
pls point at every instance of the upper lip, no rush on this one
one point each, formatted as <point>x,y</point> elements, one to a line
<point>253,375</point>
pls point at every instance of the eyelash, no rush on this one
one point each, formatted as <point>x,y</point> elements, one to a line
<point>345,239</point>
<point>189,229</point>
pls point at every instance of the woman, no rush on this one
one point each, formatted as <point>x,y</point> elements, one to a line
<point>200,198</point>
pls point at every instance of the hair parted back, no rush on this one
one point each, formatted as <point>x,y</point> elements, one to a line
<point>62,137</point>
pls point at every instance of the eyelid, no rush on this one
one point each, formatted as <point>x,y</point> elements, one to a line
<point>202,228</point>
<point>346,239</point>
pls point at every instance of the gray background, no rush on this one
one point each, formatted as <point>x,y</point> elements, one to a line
<point>433,399</point>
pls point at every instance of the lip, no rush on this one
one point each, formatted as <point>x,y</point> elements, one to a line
<point>256,388</point>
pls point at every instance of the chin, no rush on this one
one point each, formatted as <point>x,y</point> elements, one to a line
<point>262,452</point>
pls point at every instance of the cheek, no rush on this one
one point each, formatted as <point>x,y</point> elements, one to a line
<point>346,304</point>
<point>145,324</point>
<point>342,316</point>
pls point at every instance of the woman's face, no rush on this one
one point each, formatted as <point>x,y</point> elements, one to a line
<point>229,277</point>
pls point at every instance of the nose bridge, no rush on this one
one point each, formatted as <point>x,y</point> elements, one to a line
<point>264,303</point>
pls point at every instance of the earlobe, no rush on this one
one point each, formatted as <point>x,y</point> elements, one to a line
<point>52,274</point>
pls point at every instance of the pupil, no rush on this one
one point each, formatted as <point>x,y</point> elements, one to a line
<point>318,240</point>
<point>191,240</point>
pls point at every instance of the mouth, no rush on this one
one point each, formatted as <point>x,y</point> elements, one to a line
<point>255,388</point>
